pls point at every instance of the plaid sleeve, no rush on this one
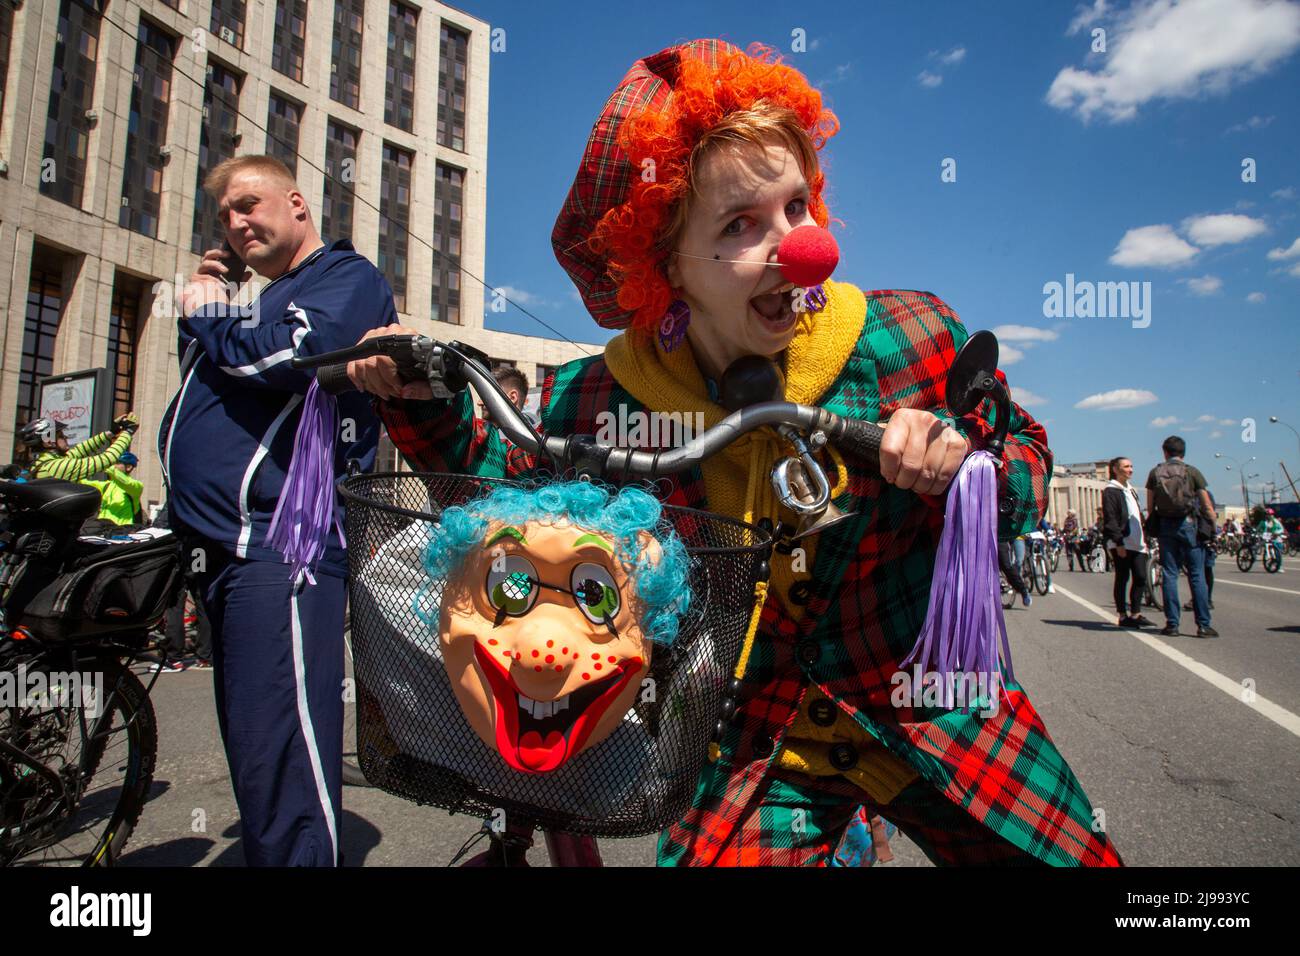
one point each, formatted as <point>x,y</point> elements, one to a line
<point>1027,461</point>
<point>444,435</point>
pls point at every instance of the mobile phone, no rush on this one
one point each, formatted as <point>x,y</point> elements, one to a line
<point>233,263</point>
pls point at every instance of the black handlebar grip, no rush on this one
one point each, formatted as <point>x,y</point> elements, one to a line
<point>861,439</point>
<point>333,379</point>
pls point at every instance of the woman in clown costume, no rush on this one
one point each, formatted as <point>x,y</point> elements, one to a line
<point>701,162</point>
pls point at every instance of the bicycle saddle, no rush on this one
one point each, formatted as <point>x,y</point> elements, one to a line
<point>65,501</point>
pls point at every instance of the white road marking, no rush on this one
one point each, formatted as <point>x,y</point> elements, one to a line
<point>1279,715</point>
<point>1262,587</point>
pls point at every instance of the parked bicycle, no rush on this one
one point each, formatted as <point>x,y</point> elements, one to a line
<point>78,735</point>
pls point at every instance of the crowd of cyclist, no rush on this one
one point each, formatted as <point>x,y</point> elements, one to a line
<point>1124,539</point>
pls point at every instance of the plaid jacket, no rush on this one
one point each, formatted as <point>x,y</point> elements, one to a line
<point>868,597</point>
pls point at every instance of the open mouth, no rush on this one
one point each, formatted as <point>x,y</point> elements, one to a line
<point>774,310</point>
<point>537,736</point>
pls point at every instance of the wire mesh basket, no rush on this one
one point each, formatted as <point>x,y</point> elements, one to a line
<point>414,740</point>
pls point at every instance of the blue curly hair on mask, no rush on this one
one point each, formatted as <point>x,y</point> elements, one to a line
<point>621,516</point>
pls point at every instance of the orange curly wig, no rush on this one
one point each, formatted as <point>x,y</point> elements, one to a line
<point>632,235</point>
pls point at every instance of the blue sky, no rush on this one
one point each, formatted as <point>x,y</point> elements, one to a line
<point>1151,133</point>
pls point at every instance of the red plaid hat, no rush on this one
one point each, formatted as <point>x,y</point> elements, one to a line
<point>613,217</point>
<point>605,175</point>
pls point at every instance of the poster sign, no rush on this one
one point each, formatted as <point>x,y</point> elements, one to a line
<point>79,400</point>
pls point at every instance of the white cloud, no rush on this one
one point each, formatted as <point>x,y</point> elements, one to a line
<point>1227,421</point>
<point>1223,229</point>
<point>1205,285</point>
<point>1286,193</point>
<point>1152,246</point>
<point>1119,398</point>
<point>952,57</point>
<point>517,296</point>
<point>1164,422</point>
<point>1205,418</point>
<point>1255,298</point>
<point>929,80</point>
<point>1027,399</point>
<point>1163,50</point>
<point>1086,17</point>
<point>1008,354</point>
<point>1216,434</point>
<point>1024,333</point>
<point>839,74</point>
<point>1290,252</point>
<point>1255,122</point>
<point>1294,270</point>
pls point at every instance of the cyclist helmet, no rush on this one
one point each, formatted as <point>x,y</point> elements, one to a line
<point>129,459</point>
<point>40,432</point>
<point>1268,511</point>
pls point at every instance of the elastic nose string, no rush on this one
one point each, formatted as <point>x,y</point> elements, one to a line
<point>749,262</point>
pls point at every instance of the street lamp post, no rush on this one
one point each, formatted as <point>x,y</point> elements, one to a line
<point>1245,496</point>
<point>1277,421</point>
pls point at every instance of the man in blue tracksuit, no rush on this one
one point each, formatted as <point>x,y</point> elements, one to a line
<point>225,443</point>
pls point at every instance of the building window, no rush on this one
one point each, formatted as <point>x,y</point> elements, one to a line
<point>282,123</point>
<point>340,181</point>
<point>174,4</point>
<point>6,38</point>
<point>44,309</point>
<point>544,372</point>
<point>399,92</point>
<point>290,38</point>
<point>216,143</point>
<point>448,200</point>
<point>123,337</point>
<point>72,88</point>
<point>146,132</point>
<point>453,61</point>
<point>395,220</point>
<point>228,21</point>
<point>345,60</point>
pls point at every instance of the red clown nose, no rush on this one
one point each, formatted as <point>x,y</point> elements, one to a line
<point>808,255</point>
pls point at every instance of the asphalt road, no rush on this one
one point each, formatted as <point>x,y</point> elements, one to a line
<point>1191,766</point>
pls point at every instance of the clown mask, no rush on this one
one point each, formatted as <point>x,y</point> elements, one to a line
<point>541,637</point>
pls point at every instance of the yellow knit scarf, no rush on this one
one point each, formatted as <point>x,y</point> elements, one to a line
<point>737,484</point>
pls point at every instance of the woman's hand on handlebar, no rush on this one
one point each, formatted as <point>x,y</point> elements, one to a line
<point>921,452</point>
<point>378,373</point>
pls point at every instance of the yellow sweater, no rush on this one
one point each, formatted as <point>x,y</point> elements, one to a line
<point>737,484</point>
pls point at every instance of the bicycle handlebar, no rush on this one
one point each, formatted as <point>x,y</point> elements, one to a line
<point>448,367</point>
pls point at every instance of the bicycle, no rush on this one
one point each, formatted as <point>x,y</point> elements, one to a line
<point>1272,549</point>
<point>1155,595</point>
<point>1054,548</point>
<point>403,752</point>
<point>1037,559</point>
<point>1246,552</point>
<point>78,741</point>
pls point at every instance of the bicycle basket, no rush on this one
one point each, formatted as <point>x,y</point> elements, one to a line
<point>415,741</point>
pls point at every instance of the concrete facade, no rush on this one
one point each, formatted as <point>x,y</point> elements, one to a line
<point>96,249</point>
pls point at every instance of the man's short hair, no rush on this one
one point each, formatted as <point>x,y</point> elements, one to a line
<point>215,183</point>
<point>1174,447</point>
<point>1114,465</point>
<point>508,376</point>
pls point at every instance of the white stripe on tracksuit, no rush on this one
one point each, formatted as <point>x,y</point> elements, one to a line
<point>305,722</point>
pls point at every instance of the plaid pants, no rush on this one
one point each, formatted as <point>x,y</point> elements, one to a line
<point>797,820</point>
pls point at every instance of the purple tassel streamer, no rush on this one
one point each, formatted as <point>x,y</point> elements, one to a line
<point>306,511</point>
<point>964,618</point>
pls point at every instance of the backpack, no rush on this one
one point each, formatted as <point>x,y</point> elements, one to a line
<point>1173,493</point>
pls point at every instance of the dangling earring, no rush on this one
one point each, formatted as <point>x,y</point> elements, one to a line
<point>815,298</point>
<point>672,327</point>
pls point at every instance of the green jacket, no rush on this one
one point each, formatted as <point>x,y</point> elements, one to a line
<point>81,460</point>
<point>119,496</point>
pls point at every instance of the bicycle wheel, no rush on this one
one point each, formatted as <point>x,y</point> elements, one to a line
<point>1027,574</point>
<point>1042,576</point>
<point>1056,559</point>
<point>1155,584</point>
<point>1272,558</point>
<point>1245,558</point>
<point>352,775</point>
<point>106,763</point>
